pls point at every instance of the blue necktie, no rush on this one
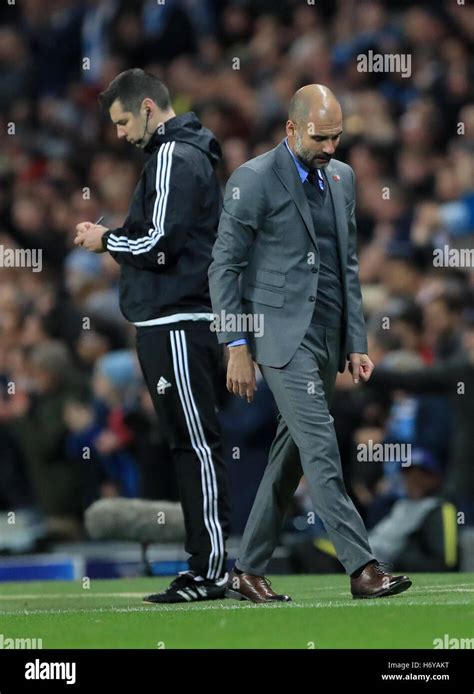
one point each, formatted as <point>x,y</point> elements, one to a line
<point>316,179</point>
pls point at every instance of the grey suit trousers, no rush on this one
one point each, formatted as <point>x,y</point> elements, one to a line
<point>305,443</point>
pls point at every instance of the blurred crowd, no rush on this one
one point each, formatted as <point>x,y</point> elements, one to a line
<point>76,422</point>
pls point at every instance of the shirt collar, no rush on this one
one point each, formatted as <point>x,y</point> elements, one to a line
<point>302,170</point>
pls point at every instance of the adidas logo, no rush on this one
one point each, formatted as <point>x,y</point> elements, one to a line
<point>162,385</point>
<point>193,594</point>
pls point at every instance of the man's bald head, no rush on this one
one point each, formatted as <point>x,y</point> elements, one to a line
<point>316,100</point>
<point>314,125</point>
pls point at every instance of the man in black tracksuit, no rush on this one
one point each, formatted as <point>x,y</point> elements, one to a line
<point>164,251</point>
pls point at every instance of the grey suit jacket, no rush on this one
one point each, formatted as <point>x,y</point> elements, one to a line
<point>266,259</point>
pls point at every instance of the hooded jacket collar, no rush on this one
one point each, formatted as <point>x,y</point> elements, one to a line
<point>186,128</point>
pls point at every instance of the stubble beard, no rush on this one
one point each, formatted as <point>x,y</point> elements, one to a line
<point>303,154</point>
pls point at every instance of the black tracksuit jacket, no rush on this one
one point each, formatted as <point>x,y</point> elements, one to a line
<point>164,247</point>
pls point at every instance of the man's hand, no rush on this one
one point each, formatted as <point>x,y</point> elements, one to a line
<point>89,236</point>
<point>360,366</point>
<point>241,373</point>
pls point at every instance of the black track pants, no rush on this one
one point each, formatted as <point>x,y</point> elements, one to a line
<point>180,363</point>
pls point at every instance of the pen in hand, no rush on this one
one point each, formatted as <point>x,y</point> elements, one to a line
<point>81,242</point>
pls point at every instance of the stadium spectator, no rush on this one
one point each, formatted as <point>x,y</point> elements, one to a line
<point>421,530</point>
<point>55,480</point>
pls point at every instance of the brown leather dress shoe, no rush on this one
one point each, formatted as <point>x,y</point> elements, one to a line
<point>375,582</point>
<point>254,588</point>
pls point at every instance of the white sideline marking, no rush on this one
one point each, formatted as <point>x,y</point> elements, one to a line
<point>141,595</point>
<point>450,590</point>
<point>459,588</point>
<point>85,594</point>
<point>243,605</point>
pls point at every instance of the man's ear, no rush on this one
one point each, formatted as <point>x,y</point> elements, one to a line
<point>147,106</point>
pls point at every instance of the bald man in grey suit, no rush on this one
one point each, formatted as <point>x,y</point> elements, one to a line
<point>285,258</point>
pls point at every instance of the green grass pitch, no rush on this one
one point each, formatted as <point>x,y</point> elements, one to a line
<point>110,614</point>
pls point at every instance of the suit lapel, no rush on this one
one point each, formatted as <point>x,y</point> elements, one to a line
<point>336,191</point>
<point>287,173</point>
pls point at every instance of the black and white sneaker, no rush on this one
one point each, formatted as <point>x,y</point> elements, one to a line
<point>187,587</point>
